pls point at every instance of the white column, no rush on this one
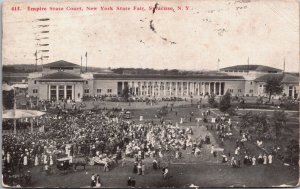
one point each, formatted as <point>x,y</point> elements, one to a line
<point>65,91</point>
<point>56,92</point>
<point>187,88</point>
<point>73,92</point>
<point>49,92</point>
<point>215,88</point>
<point>209,90</point>
<point>171,86</point>
<point>158,90</point>
<point>153,88</point>
<point>293,91</point>
<point>147,88</point>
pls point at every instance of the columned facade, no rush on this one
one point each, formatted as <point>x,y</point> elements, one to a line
<point>163,88</point>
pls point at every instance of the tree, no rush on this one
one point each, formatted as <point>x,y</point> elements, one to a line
<point>8,99</point>
<point>279,123</point>
<point>292,152</point>
<point>257,124</point>
<point>274,86</point>
<point>225,102</point>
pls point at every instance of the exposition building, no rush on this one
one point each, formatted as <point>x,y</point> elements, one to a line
<point>64,80</point>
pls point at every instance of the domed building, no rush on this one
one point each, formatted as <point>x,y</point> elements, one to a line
<point>62,80</point>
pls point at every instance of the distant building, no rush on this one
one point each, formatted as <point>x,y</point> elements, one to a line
<point>64,80</point>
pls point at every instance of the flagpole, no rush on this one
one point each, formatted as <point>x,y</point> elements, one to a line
<point>36,59</point>
<point>81,66</point>
<point>283,66</point>
<point>248,65</point>
<point>86,62</point>
<point>42,62</point>
<point>14,112</point>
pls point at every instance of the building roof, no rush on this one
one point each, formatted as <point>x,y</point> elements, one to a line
<point>286,78</point>
<point>60,75</point>
<point>61,64</point>
<point>156,77</point>
<point>259,68</point>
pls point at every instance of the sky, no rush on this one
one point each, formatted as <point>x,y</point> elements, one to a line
<point>195,39</point>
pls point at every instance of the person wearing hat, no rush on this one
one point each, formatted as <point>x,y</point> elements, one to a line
<point>129,182</point>
<point>36,160</point>
<point>133,182</point>
<point>98,182</point>
<point>25,161</point>
<point>93,181</point>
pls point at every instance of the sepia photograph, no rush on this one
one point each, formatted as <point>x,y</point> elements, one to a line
<point>144,93</point>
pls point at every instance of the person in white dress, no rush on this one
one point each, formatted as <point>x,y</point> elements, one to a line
<point>51,160</point>
<point>212,149</point>
<point>25,161</point>
<point>270,157</point>
<point>253,160</point>
<point>98,183</point>
<point>265,159</point>
<point>45,159</point>
<point>36,161</point>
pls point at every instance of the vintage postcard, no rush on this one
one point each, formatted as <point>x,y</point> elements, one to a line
<point>143,93</point>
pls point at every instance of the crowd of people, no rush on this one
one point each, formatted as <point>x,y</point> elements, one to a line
<point>223,128</point>
<point>103,136</point>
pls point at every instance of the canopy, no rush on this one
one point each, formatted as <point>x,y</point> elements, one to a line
<point>20,85</point>
<point>16,114</point>
<point>6,87</point>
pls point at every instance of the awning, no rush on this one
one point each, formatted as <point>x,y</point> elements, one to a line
<point>18,113</point>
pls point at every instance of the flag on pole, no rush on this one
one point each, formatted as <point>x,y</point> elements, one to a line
<point>81,65</point>
<point>86,62</point>
<point>248,65</point>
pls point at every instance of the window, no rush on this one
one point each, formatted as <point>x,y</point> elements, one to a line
<point>69,92</point>
<point>98,90</point>
<point>86,91</point>
<point>290,90</point>
<point>109,90</point>
<point>53,92</point>
<point>87,82</point>
<point>61,92</point>
<point>251,91</point>
<point>251,83</point>
<point>34,81</point>
<point>239,90</point>
<point>35,91</point>
<point>230,90</point>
